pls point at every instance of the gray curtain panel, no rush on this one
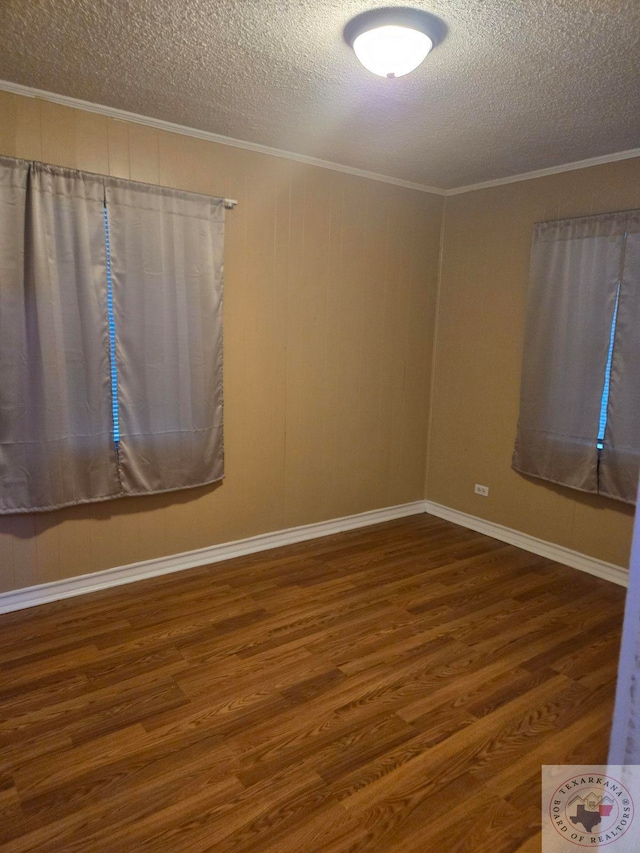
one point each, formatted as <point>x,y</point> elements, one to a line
<point>167,268</point>
<point>576,267</point>
<point>620,460</point>
<point>55,422</point>
<point>57,430</point>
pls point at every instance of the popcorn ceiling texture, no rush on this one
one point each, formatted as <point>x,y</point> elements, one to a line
<point>515,86</point>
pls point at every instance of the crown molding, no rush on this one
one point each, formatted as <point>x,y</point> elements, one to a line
<point>171,127</point>
<point>160,124</point>
<point>552,170</point>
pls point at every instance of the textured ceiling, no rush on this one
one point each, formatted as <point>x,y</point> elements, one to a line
<point>514,87</point>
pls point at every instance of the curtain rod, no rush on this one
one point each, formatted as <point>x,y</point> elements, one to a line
<point>229,203</point>
<point>588,216</point>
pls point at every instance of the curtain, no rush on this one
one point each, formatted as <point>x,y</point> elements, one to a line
<point>576,268</point>
<point>621,452</point>
<point>55,433</point>
<point>166,256</point>
<point>70,366</point>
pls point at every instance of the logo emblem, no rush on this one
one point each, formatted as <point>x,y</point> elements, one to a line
<point>591,809</point>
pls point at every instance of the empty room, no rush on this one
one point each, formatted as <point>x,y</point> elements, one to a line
<point>319,426</point>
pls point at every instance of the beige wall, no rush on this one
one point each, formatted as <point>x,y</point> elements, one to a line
<point>329,312</point>
<point>485,262</point>
<point>329,305</point>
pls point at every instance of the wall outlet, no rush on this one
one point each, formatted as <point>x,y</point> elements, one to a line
<point>481,490</point>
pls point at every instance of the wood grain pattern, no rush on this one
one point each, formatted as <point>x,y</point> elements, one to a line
<point>389,689</point>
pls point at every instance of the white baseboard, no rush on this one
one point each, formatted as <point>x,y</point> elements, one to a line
<point>607,571</point>
<point>47,592</point>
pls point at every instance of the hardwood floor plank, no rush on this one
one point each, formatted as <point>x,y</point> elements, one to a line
<point>325,697</point>
<point>479,823</point>
<point>531,845</point>
<point>325,826</point>
<point>133,788</point>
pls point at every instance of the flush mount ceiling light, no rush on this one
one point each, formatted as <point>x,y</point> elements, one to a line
<point>392,42</point>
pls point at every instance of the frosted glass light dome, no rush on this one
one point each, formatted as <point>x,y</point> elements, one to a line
<point>393,41</point>
<point>392,51</point>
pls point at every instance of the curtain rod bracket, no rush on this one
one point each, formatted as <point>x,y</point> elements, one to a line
<point>230,203</point>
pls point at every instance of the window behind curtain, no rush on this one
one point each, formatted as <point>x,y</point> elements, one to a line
<point>166,267</point>
<point>580,376</point>
<point>55,404</point>
<point>110,338</point>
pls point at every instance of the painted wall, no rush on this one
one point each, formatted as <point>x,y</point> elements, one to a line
<point>479,338</point>
<point>330,284</point>
<point>330,304</point>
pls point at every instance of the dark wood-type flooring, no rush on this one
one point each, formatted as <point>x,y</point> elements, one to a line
<point>392,689</point>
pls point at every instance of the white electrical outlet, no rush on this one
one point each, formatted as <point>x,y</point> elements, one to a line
<point>481,490</point>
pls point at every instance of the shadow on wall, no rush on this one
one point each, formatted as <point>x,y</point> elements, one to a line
<point>585,498</point>
<point>100,510</point>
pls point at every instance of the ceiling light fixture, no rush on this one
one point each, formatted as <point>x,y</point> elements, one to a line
<point>392,42</point>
